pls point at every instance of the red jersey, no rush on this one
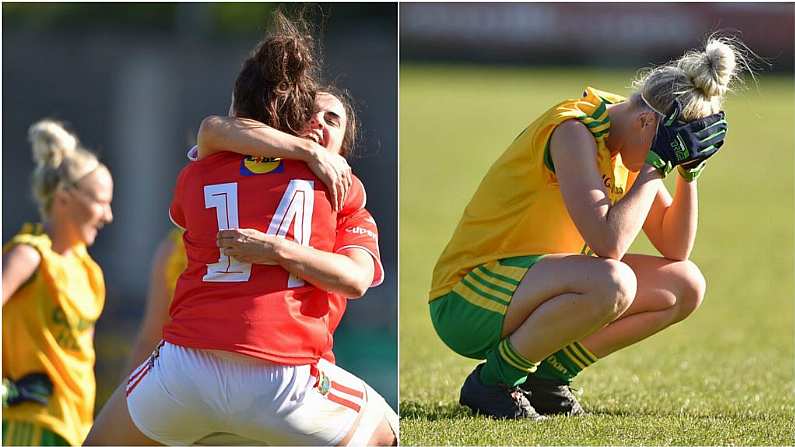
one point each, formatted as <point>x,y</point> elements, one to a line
<point>257,310</point>
<point>355,231</point>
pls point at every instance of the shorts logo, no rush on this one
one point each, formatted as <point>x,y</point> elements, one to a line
<point>323,384</point>
<point>260,165</point>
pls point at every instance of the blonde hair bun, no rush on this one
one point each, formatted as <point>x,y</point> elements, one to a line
<point>700,79</point>
<point>51,143</point>
<point>712,70</point>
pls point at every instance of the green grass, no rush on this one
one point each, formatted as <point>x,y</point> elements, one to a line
<point>722,377</point>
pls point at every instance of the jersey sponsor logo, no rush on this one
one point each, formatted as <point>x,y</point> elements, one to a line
<point>361,230</point>
<point>615,189</point>
<point>607,181</point>
<point>66,331</point>
<point>260,165</point>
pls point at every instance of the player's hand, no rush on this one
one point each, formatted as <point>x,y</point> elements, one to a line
<point>333,170</point>
<point>34,387</point>
<point>248,245</point>
<point>686,144</point>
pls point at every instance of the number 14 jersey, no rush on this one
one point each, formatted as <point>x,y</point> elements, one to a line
<point>252,309</point>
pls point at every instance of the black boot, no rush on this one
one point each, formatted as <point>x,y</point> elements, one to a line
<point>551,396</point>
<point>498,401</point>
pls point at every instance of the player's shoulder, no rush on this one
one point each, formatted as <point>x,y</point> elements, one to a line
<point>219,164</point>
<point>214,160</point>
<point>23,255</point>
<point>23,252</point>
<point>356,198</point>
<point>358,217</point>
<point>30,241</point>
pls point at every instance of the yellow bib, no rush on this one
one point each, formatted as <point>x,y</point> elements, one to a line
<point>518,208</point>
<point>177,260</point>
<point>48,326</point>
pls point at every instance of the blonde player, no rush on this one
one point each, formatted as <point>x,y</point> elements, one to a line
<point>536,278</point>
<point>53,293</point>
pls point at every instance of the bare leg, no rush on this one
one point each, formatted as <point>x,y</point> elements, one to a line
<point>564,298</point>
<point>113,425</point>
<point>668,291</point>
<point>379,414</point>
<point>383,435</point>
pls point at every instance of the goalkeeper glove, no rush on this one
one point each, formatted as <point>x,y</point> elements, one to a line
<point>686,144</point>
<point>34,387</point>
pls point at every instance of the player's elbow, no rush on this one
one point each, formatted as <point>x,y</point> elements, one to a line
<point>675,250</point>
<point>356,283</point>
<point>679,254</point>
<point>359,273</point>
<point>609,249</point>
<point>356,288</point>
<point>609,254</point>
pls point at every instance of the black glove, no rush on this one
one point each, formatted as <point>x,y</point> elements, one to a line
<point>686,144</point>
<point>34,387</point>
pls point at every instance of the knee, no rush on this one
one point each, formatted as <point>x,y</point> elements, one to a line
<point>617,287</point>
<point>691,291</point>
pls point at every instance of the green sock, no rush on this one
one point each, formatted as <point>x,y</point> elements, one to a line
<point>505,365</point>
<point>565,364</point>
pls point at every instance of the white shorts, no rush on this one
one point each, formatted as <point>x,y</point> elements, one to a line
<point>187,396</point>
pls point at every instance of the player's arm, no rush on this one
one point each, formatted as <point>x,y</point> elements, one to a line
<point>157,302</point>
<point>251,137</point>
<point>608,229</point>
<point>348,272</point>
<point>672,223</point>
<point>19,264</point>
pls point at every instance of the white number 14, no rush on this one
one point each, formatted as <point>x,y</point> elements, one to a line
<point>295,206</point>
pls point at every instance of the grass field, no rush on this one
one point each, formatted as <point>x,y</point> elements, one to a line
<point>722,377</point>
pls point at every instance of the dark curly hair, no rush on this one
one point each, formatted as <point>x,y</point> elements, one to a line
<point>351,137</point>
<point>278,81</point>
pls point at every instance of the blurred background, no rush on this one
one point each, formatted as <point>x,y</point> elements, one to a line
<point>554,33</point>
<point>472,76</point>
<point>134,80</point>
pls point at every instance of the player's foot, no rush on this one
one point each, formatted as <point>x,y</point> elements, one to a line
<point>499,401</point>
<point>551,397</point>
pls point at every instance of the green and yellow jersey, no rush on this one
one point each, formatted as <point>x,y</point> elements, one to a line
<point>177,260</point>
<point>48,327</point>
<point>518,208</point>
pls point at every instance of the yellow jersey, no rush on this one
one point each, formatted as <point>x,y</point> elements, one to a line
<point>48,326</point>
<point>177,260</point>
<point>518,209</point>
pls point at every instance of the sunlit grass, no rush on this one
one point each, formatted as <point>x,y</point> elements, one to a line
<point>723,376</point>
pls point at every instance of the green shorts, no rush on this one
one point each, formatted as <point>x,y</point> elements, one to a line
<point>469,318</point>
<point>29,433</point>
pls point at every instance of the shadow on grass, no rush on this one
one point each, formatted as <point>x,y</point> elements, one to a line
<point>412,409</point>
